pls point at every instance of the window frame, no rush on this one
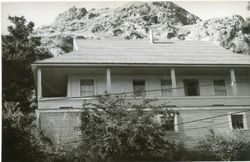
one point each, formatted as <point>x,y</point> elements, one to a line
<point>146,87</point>
<point>171,88</point>
<point>176,128</point>
<point>226,93</point>
<point>245,126</point>
<point>94,85</point>
<point>198,88</point>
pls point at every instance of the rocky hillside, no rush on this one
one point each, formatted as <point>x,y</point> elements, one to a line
<point>134,20</point>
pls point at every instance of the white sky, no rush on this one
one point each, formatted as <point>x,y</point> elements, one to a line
<point>43,13</point>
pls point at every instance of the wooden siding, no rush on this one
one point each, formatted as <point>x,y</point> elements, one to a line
<point>55,103</point>
<point>61,125</point>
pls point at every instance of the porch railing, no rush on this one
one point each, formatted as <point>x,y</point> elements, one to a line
<point>191,101</point>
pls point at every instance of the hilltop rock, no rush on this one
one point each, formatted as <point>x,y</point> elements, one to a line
<point>128,18</point>
<point>72,14</point>
<point>134,20</point>
<point>224,31</point>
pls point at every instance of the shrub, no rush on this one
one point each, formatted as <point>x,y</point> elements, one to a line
<point>113,129</point>
<point>225,146</point>
<point>21,140</point>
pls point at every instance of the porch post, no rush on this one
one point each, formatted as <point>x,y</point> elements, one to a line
<point>68,87</point>
<point>173,79</point>
<point>233,82</point>
<point>108,77</point>
<point>39,83</point>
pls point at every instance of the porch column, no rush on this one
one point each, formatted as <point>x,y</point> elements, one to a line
<point>233,82</point>
<point>39,83</point>
<point>173,79</point>
<point>108,77</point>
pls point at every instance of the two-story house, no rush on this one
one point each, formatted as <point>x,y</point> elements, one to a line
<point>199,79</point>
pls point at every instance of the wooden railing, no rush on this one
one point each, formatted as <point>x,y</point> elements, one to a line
<point>191,101</point>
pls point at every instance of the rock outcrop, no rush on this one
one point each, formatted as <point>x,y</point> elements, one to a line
<point>224,31</point>
<point>134,20</point>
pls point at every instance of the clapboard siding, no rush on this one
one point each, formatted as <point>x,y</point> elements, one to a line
<point>61,125</point>
<point>55,103</point>
<point>220,125</point>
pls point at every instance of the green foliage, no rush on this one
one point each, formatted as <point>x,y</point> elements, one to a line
<point>182,153</point>
<point>19,50</point>
<point>114,129</point>
<point>65,42</point>
<point>246,26</point>
<point>21,141</point>
<point>226,147</point>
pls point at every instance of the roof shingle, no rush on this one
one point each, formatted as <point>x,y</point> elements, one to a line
<point>144,52</point>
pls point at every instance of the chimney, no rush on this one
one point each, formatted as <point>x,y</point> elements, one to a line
<point>151,36</point>
<point>75,48</point>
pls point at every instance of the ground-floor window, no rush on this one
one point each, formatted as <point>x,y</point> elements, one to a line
<point>169,123</point>
<point>238,121</point>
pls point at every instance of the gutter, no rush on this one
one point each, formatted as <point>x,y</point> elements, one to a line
<point>35,65</point>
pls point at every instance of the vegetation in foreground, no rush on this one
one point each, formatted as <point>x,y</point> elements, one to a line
<point>114,130</point>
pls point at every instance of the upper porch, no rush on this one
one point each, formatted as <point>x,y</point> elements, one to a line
<point>60,87</point>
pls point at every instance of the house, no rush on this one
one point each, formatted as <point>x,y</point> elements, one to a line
<point>207,84</point>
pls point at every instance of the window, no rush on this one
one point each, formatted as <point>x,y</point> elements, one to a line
<point>191,87</point>
<point>166,87</point>
<point>169,123</point>
<point>237,121</point>
<point>139,88</point>
<point>220,87</point>
<point>87,87</point>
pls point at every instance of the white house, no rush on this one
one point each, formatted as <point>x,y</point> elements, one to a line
<point>198,78</point>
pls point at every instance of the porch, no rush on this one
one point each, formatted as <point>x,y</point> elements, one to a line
<point>60,87</point>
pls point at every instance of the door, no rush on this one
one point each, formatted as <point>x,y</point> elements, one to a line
<point>191,87</point>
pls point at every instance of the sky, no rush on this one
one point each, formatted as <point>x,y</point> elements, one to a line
<point>43,13</point>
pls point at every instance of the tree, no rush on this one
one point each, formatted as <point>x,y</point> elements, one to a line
<point>246,29</point>
<point>20,48</point>
<point>246,25</point>
<point>114,129</point>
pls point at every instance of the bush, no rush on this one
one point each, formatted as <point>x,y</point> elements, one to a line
<point>113,129</point>
<point>225,146</point>
<point>21,140</point>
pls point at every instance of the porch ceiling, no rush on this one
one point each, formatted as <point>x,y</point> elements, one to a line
<point>58,71</point>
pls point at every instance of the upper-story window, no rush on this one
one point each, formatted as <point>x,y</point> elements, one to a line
<point>238,121</point>
<point>87,87</point>
<point>166,87</point>
<point>220,87</point>
<point>191,87</point>
<point>139,87</point>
